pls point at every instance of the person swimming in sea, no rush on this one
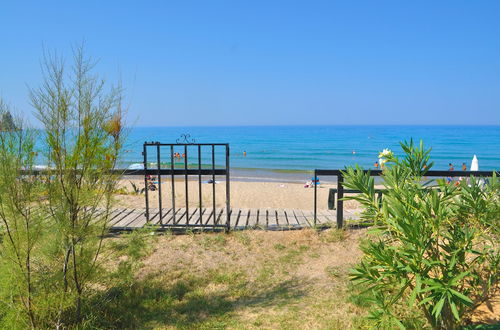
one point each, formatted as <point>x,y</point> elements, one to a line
<point>244,153</point>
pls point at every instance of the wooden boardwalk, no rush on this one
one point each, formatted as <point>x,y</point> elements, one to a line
<point>264,218</point>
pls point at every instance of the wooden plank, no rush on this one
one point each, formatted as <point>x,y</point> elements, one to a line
<point>153,215</point>
<point>281,218</point>
<point>292,218</point>
<point>301,218</point>
<point>263,218</point>
<point>252,220</point>
<point>166,212</point>
<point>221,216</point>
<point>120,219</point>
<point>320,218</point>
<point>272,218</point>
<point>309,215</point>
<point>197,219</point>
<point>240,218</point>
<point>191,217</point>
<point>123,223</point>
<point>168,217</point>
<point>138,222</point>
<point>329,216</point>
<point>236,214</point>
<point>180,216</point>
<point>245,215</point>
<point>209,219</point>
<point>114,214</point>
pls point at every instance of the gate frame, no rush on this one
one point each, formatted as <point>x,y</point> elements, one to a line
<point>186,172</point>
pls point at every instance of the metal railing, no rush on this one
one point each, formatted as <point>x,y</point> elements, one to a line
<point>340,185</point>
<point>186,172</point>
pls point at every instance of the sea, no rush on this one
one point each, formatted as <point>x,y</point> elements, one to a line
<point>291,153</point>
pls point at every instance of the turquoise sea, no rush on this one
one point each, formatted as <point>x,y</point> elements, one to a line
<point>288,151</point>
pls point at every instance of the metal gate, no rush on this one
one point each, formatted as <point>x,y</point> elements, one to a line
<point>196,164</point>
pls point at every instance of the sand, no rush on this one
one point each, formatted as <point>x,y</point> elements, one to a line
<point>242,195</point>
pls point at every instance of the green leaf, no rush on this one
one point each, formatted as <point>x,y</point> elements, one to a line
<point>415,291</point>
<point>454,310</point>
<point>439,306</point>
<point>462,297</point>
<point>459,277</point>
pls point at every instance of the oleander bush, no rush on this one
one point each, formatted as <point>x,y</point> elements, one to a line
<point>436,245</point>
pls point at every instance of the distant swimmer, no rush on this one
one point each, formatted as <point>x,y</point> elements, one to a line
<point>244,153</point>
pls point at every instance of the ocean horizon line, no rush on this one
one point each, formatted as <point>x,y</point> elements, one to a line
<point>313,125</point>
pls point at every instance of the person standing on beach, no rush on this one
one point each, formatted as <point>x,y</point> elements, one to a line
<point>464,168</point>
<point>450,168</point>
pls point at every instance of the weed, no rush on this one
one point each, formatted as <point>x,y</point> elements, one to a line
<point>213,241</point>
<point>333,272</point>
<point>279,247</point>
<point>333,235</point>
<point>242,237</point>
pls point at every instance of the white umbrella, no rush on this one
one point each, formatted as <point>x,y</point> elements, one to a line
<point>474,166</point>
<point>136,166</point>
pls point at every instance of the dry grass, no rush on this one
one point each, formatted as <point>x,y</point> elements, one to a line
<point>244,280</point>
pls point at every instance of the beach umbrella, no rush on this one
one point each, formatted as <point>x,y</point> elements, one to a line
<point>136,166</point>
<point>474,166</point>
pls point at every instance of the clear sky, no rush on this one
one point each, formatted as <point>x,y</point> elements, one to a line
<point>271,62</point>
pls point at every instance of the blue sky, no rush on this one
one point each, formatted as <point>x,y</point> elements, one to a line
<point>271,62</point>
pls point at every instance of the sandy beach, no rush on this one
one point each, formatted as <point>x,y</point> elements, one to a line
<point>243,195</point>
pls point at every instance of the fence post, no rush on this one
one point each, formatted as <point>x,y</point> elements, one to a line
<point>340,202</point>
<point>146,188</point>
<point>228,191</point>
<point>158,174</point>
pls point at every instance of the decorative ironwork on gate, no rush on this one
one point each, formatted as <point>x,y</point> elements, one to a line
<point>197,163</point>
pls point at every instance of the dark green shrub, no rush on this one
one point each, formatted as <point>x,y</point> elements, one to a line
<point>436,248</point>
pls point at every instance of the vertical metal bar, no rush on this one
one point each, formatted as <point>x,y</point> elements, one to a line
<point>145,162</point>
<point>199,183</point>
<point>213,182</point>
<point>158,174</point>
<point>173,183</point>
<point>340,202</point>
<point>186,182</point>
<point>315,197</point>
<point>228,191</point>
